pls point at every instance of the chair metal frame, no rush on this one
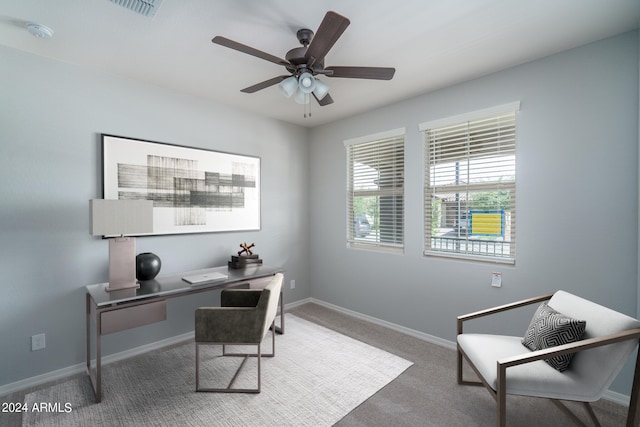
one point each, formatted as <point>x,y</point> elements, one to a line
<point>259,355</point>
<point>633,415</point>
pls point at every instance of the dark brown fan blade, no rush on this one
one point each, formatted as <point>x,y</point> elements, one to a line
<point>376,73</point>
<point>324,101</point>
<point>263,85</point>
<point>329,31</point>
<point>222,41</point>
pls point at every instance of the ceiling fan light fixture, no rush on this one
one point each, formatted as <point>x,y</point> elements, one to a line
<point>321,89</point>
<point>303,63</point>
<point>289,86</point>
<point>306,82</point>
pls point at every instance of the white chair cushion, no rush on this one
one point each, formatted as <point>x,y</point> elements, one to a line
<point>591,372</point>
<point>531,379</point>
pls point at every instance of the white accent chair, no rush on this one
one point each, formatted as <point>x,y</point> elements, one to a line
<point>505,366</point>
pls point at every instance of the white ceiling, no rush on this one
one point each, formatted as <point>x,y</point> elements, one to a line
<point>431,43</point>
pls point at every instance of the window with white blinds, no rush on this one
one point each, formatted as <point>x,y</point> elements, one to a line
<point>470,185</point>
<point>375,191</point>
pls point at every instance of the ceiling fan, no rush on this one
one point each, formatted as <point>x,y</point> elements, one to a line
<point>304,63</point>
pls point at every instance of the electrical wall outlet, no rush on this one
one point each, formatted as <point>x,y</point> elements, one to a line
<point>38,342</point>
<point>496,279</point>
<point>292,284</point>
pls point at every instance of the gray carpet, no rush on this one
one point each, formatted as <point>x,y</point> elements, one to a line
<point>316,378</point>
<point>426,394</point>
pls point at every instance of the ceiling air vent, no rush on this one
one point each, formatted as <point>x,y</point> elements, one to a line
<point>146,8</point>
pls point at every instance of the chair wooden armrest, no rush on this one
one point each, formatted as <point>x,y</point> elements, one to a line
<point>573,347</point>
<point>633,415</point>
<point>500,308</point>
<point>490,356</point>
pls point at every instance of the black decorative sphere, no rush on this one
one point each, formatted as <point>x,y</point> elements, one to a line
<point>147,266</point>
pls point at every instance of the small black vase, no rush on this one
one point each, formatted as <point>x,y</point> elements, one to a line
<point>147,266</point>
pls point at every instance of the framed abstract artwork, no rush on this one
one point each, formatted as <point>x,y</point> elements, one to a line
<point>193,190</point>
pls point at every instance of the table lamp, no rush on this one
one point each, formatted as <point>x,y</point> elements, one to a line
<point>114,219</point>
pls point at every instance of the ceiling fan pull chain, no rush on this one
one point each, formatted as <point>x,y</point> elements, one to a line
<point>307,107</point>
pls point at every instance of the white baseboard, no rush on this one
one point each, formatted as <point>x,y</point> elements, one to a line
<point>615,397</point>
<point>619,398</point>
<point>81,367</point>
<point>407,331</point>
<point>297,303</point>
<point>612,396</point>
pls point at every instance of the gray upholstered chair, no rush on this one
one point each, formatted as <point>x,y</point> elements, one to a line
<point>505,366</point>
<point>244,318</point>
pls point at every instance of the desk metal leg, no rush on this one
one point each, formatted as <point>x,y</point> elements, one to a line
<point>96,383</point>
<point>88,326</point>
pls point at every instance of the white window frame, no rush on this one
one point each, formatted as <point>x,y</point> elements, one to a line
<point>467,188</point>
<point>374,241</point>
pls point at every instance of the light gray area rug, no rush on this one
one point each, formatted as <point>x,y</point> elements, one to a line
<point>316,378</point>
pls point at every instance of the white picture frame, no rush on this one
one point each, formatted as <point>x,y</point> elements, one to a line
<point>193,190</point>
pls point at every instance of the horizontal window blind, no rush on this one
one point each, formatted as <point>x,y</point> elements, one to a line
<point>470,172</point>
<point>375,194</point>
<point>480,139</point>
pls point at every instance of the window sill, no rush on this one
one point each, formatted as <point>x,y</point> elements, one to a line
<point>376,248</point>
<point>488,259</point>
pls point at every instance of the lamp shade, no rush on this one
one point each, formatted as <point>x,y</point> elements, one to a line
<point>301,97</point>
<point>306,82</point>
<point>321,89</point>
<point>120,217</point>
<point>288,86</point>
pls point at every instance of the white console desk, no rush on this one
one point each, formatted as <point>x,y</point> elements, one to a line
<point>125,309</point>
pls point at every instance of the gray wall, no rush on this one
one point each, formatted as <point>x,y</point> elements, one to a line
<point>577,197</point>
<point>51,115</point>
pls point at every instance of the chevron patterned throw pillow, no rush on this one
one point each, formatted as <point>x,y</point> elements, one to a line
<point>548,328</point>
